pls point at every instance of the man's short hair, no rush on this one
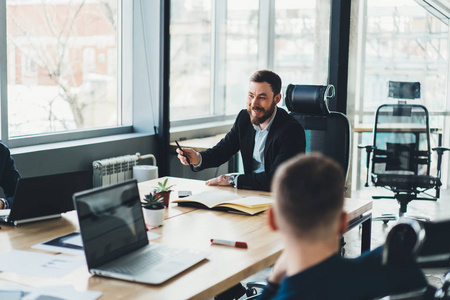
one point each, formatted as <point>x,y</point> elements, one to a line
<point>309,192</point>
<point>270,77</point>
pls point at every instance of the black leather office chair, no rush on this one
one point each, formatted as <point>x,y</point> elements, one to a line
<point>326,131</point>
<point>401,152</point>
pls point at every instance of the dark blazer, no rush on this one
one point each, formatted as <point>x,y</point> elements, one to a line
<point>358,278</point>
<point>285,139</point>
<point>8,174</point>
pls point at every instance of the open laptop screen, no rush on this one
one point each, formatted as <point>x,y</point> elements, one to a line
<point>111,222</point>
<point>48,195</point>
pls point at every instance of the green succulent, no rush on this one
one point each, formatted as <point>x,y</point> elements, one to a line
<point>152,201</point>
<point>162,187</point>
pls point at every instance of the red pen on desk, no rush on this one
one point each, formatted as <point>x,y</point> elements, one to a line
<point>229,243</point>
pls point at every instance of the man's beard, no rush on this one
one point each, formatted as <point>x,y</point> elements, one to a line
<point>259,120</point>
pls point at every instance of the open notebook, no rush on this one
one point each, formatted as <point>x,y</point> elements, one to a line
<point>228,201</point>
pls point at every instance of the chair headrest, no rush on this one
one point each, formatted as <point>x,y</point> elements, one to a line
<point>403,242</point>
<point>309,99</point>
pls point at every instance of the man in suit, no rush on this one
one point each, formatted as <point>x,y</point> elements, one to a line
<point>8,177</point>
<point>265,134</point>
<point>308,213</point>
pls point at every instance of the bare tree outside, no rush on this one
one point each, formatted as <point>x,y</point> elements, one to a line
<point>62,65</point>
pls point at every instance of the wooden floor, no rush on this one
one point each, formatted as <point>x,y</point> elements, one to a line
<point>438,210</point>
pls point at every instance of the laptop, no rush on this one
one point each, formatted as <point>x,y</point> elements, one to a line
<point>45,197</point>
<point>115,238</point>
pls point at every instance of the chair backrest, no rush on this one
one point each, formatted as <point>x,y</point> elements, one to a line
<point>326,131</point>
<point>401,139</point>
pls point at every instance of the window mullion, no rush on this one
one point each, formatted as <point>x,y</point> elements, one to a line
<point>266,41</point>
<point>218,57</point>
<point>3,75</point>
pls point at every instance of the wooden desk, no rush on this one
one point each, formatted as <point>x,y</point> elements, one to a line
<point>192,228</point>
<point>395,128</point>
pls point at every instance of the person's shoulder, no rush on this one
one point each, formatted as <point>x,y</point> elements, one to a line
<point>3,148</point>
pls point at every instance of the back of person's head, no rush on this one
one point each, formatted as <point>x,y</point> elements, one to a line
<point>309,193</point>
<point>270,77</point>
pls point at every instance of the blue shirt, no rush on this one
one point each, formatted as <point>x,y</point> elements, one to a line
<point>260,145</point>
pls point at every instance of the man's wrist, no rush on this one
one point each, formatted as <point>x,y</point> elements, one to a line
<point>199,164</point>
<point>233,180</point>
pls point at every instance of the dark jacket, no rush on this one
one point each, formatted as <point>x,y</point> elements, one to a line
<point>285,139</point>
<point>8,174</point>
<point>349,278</point>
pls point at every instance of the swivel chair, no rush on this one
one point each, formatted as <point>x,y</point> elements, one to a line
<point>326,131</point>
<point>401,152</point>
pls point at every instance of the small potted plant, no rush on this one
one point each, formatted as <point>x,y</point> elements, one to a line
<point>153,210</point>
<point>163,191</point>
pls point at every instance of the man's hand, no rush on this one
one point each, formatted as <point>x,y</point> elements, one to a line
<point>221,180</point>
<point>279,270</point>
<point>194,156</point>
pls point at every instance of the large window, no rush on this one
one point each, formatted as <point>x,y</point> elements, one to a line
<point>63,66</point>
<point>216,46</point>
<point>400,41</point>
<point>302,35</point>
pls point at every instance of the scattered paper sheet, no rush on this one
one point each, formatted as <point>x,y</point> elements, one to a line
<point>38,264</point>
<point>46,292</point>
<point>72,244</point>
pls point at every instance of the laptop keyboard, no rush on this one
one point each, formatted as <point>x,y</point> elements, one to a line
<point>140,261</point>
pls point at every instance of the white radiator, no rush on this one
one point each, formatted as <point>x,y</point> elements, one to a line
<point>116,169</point>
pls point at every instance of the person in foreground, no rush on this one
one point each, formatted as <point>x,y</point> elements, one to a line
<point>265,134</point>
<point>8,177</point>
<point>308,213</point>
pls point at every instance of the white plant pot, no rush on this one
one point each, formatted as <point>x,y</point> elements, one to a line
<point>154,217</point>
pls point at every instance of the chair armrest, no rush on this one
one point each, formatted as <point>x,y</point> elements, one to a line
<point>440,150</point>
<point>256,284</point>
<point>369,148</point>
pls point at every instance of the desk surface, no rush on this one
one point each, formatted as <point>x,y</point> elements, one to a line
<point>395,128</point>
<point>184,227</point>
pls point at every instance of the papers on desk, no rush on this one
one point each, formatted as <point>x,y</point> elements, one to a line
<point>38,264</point>
<point>20,292</point>
<point>69,244</point>
<point>72,244</point>
<point>228,201</point>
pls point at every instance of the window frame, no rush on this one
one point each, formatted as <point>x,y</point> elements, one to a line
<point>266,40</point>
<point>124,86</point>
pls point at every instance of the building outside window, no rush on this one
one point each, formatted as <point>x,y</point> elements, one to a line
<point>63,71</point>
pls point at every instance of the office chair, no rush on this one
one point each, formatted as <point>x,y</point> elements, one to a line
<point>425,243</point>
<point>326,131</point>
<point>401,154</point>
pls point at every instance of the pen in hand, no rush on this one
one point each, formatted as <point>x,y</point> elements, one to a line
<point>187,158</point>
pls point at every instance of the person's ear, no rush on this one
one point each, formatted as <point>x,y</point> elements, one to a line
<point>343,223</point>
<point>271,219</point>
<point>278,98</point>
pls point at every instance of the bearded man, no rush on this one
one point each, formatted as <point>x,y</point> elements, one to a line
<point>265,134</point>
